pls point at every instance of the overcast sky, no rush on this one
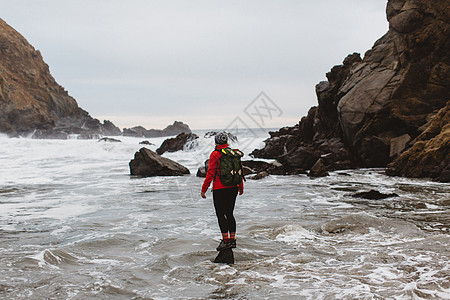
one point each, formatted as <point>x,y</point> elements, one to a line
<point>150,62</point>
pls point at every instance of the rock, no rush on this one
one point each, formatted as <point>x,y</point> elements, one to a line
<point>373,195</point>
<point>247,170</point>
<point>137,131</point>
<point>319,169</point>
<point>225,257</point>
<point>175,129</point>
<point>430,154</point>
<point>109,140</point>
<point>145,143</point>
<point>148,163</point>
<point>370,109</point>
<point>303,157</point>
<point>398,144</point>
<point>258,176</point>
<point>110,129</point>
<point>257,166</point>
<point>201,172</point>
<point>177,143</point>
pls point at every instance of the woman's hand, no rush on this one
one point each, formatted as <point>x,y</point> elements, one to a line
<point>203,195</point>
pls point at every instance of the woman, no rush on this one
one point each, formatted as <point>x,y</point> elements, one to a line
<point>224,196</point>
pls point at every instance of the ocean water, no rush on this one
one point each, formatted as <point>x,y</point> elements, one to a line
<point>75,225</point>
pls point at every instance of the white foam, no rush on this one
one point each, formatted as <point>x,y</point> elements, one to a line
<point>294,234</point>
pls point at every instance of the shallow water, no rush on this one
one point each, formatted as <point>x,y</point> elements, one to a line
<point>75,225</point>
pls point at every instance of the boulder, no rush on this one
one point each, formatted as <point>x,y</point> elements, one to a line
<point>319,169</point>
<point>201,172</point>
<point>148,163</point>
<point>145,143</point>
<point>177,143</point>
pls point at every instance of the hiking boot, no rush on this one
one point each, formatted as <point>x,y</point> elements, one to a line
<point>223,245</point>
<point>232,242</point>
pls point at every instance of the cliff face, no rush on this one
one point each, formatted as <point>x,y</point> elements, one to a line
<point>371,109</point>
<point>430,154</point>
<point>400,83</point>
<point>30,98</point>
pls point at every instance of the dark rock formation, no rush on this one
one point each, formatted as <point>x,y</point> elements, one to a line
<point>247,171</point>
<point>177,143</point>
<point>110,129</point>
<point>174,129</point>
<point>225,257</point>
<point>430,154</point>
<point>257,166</point>
<point>145,143</point>
<point>147,163</point>
<point>109,140</point>
<point>201,172</point>
<point>373,195</point>
<point>370,108</point>
<point>258,176</point>
<point>319,169</point>
<point>31,101</point>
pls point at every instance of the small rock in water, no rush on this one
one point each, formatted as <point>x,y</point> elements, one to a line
<point>145,143</point>
<point>225,256</point>
<point>110,140</point>
<point>260,175</point>
<point>373,195</point>
<point>201,172</point>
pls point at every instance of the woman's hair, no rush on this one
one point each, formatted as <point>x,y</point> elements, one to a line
<point>221,138</point>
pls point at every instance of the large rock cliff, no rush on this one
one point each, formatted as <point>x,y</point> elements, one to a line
<point>30,98</point>
<point>370,110</point>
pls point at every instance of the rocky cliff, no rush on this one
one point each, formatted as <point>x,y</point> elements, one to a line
<point>370,110</point>
<point>430,154</point>
<point>30,98</point>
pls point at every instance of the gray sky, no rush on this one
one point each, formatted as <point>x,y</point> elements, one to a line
<point>150,62</point>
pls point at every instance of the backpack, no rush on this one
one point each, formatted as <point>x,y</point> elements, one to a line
<point>231,173</point>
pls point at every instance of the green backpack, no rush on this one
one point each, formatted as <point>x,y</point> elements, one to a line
<point>231,173</point>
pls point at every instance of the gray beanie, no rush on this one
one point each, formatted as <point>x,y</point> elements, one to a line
<point>221,138</point>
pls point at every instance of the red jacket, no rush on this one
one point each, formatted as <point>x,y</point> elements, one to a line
<point>214,172</point>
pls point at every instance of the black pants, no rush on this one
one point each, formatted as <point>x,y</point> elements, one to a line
<point>224,200</point>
